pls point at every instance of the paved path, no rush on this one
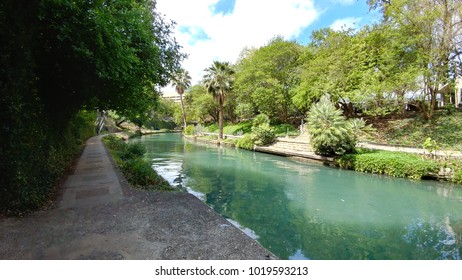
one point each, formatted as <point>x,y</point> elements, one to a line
<point>375,146</point>
<point>100,217</point>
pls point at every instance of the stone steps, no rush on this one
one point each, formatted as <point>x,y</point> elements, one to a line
<point>294,145</point>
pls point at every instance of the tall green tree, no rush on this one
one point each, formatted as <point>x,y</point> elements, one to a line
<point>431,28</point>
<point>219,80</point>
<point>181,82</point>
<point>59,57</point>
<point>333,64</point>
<point>266,76</point>
<point>200,105</point>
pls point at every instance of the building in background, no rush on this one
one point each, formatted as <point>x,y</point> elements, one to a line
<point>172,95</point>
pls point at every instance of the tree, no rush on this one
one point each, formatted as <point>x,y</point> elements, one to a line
<point>219,81</point>
<point>59,57</point>
<point>181,82</point>
<point>266,76</point>
<point>433,30</point>
<point>200,105</point>
<point>332,64</point>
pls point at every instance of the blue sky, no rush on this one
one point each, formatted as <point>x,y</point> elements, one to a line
<point>220,29</point>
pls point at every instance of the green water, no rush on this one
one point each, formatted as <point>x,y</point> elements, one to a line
<point>309,211</point>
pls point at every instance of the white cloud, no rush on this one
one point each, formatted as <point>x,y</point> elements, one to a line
<point>251,24</point>
<point>345,23</point>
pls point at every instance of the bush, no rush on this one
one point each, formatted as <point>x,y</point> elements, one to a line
<point>263,135</point>
<point>35,156</point>
<point>138,172</point>
<point>141,175</point>
<point>330,133</point>
<point>260,119</point>
<point>457,177</point>
<point>396,164</point>
<point>245,142</point>
<point>189,130</point>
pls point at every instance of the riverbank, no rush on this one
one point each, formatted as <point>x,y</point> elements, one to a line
<point>440,165</point>
<point>99,216</point>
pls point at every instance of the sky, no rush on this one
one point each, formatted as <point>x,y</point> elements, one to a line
<point>211,30</point>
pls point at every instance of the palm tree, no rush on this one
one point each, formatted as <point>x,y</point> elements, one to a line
<point>219,80</point>
<point>181,82</point>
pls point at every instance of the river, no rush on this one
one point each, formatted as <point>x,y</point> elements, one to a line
<point>303,210</point>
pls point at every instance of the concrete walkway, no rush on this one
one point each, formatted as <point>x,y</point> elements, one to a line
<point>99,216</point>
<point>441,153</point>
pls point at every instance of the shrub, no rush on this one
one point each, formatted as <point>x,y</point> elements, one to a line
<point>244,110</point>
<point>396,164</point>
<point>35,155</point>
<point>138,172</point>
<point>263,135</point>
<point>457,177</point>
<point>189,130</point>
<point>245,142</point>
<point>330,133</point>
<point>132,151</point>
<point>359,129</point>
<point>260,119</point>
<point>141,175</point>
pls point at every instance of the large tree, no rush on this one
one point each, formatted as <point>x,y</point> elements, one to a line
<point>265,78</point>
<point>333,63</point>
<point>61,56</point>
<point>433,30</point>
<point>219,81</point>
<point>200,105</point>
<point>182,81</point>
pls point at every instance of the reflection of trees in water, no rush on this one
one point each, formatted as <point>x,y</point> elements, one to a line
<point>234,187</point>
<point>302,219</point>
<point>434,239</point>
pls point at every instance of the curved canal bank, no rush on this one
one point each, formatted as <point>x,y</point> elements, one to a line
<point>302,210</point>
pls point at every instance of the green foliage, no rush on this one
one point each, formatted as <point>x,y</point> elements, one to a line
<point>34,160</point>
<point>457,177</point>
<point>330,133</point>
<point>131,151</point>
<point>395,164</point>
<point>218,80</point>
<point>234,129</point>
<point>141,175</point>
<point>425,29</point>
<point>360,130</point>
<point>284,129</point>
<point>189,130</point>
<point>260,119</point>
<point>430,145</point>
<point>246,142</point>
<point>263,135</point>
<point>445,129</point>
<point>138,172</point>
<point>244,110</point>
<point>265,77</point>
<point>200,106</point>
<point>181,81</point>
<point>59,57</point>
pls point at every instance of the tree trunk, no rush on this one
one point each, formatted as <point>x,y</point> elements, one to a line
<point>220,118</point>
<point>182,110</point>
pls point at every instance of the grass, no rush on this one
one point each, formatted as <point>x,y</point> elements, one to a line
<point>445,129</point>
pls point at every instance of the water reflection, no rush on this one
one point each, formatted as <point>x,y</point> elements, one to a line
<point>303,210</point>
